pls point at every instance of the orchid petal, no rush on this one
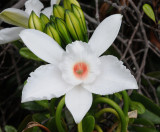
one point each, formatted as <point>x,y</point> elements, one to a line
<point>15,17</point>
<point>105,34</point>
<point>78,101</point>
<point>48,11</point>
<point>9,34</point>
<point>33,5</point>
<point>42,45</point>
<point>44,83</point>
<point>114,77</point>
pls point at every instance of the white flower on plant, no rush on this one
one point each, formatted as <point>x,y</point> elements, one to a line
<point>77,72</point>
<point>20,18</point>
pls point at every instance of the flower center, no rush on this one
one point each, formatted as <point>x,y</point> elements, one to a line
<point>80,70</point>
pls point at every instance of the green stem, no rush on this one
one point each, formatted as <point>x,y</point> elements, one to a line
<point>58,115</point>
<point>52,106</point>
<point>125,103</point>
<point>118,128</point>
<point>117,108</point>
<point>98,128</point>
<point>80,129</point>
<point>107,110</point>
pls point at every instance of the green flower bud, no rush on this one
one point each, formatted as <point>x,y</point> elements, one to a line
<point>35,22</point>
<point>53,19</point>
<point>50,29</point>
<point>80,16</point>
<point>44,18</point>
<point>62,30</point>
<point>67,3</point>
<point>15,17</point>
<point>74,26</point>
<point>58,11</point>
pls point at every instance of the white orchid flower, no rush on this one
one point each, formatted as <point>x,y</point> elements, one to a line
<point>20,18</point>
<point>77,72</point>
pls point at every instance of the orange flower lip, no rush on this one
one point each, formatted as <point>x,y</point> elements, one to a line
<point>80,70</point>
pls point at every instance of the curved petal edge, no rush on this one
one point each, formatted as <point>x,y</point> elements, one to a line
<point>42,45</point>
<point>78,101</point>
<point>44,83</point>
<point>114,77</point>
<point>10,34</point>
<point>105,34</point>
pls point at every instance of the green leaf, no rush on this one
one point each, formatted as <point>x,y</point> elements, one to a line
<point>159,22</point>
<point>52,106</point>
<point>118,95</point>
<point>145,122</point>
<point>151,117</point>
<point>18,44</point>
<point>39,117</point>
<point>144,129</point>
<point>26,53</point>
<point>9,129</point>
<point>33,106</point>
<point>43,103</point>
<point>158,92</point>
<point>24,123</point>
<point>51,125</point>
<point>69,119</point>
<point>149,11</point>
<point>137,106</point>
<point>88,124</point>
<point>155,74</point>
<point>148,104</point>
<point>15,17</point>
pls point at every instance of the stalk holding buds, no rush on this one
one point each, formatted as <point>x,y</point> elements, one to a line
<point>35,22</point>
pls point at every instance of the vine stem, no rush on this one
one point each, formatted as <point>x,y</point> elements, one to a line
<point>98,128</point>
<point>58,115</point>
<point>80,129</point>
<point>117,108</point>
<point>125,103</point>
<point>107,110</point>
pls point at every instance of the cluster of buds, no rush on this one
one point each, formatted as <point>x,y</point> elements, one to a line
<point>66,25</point>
